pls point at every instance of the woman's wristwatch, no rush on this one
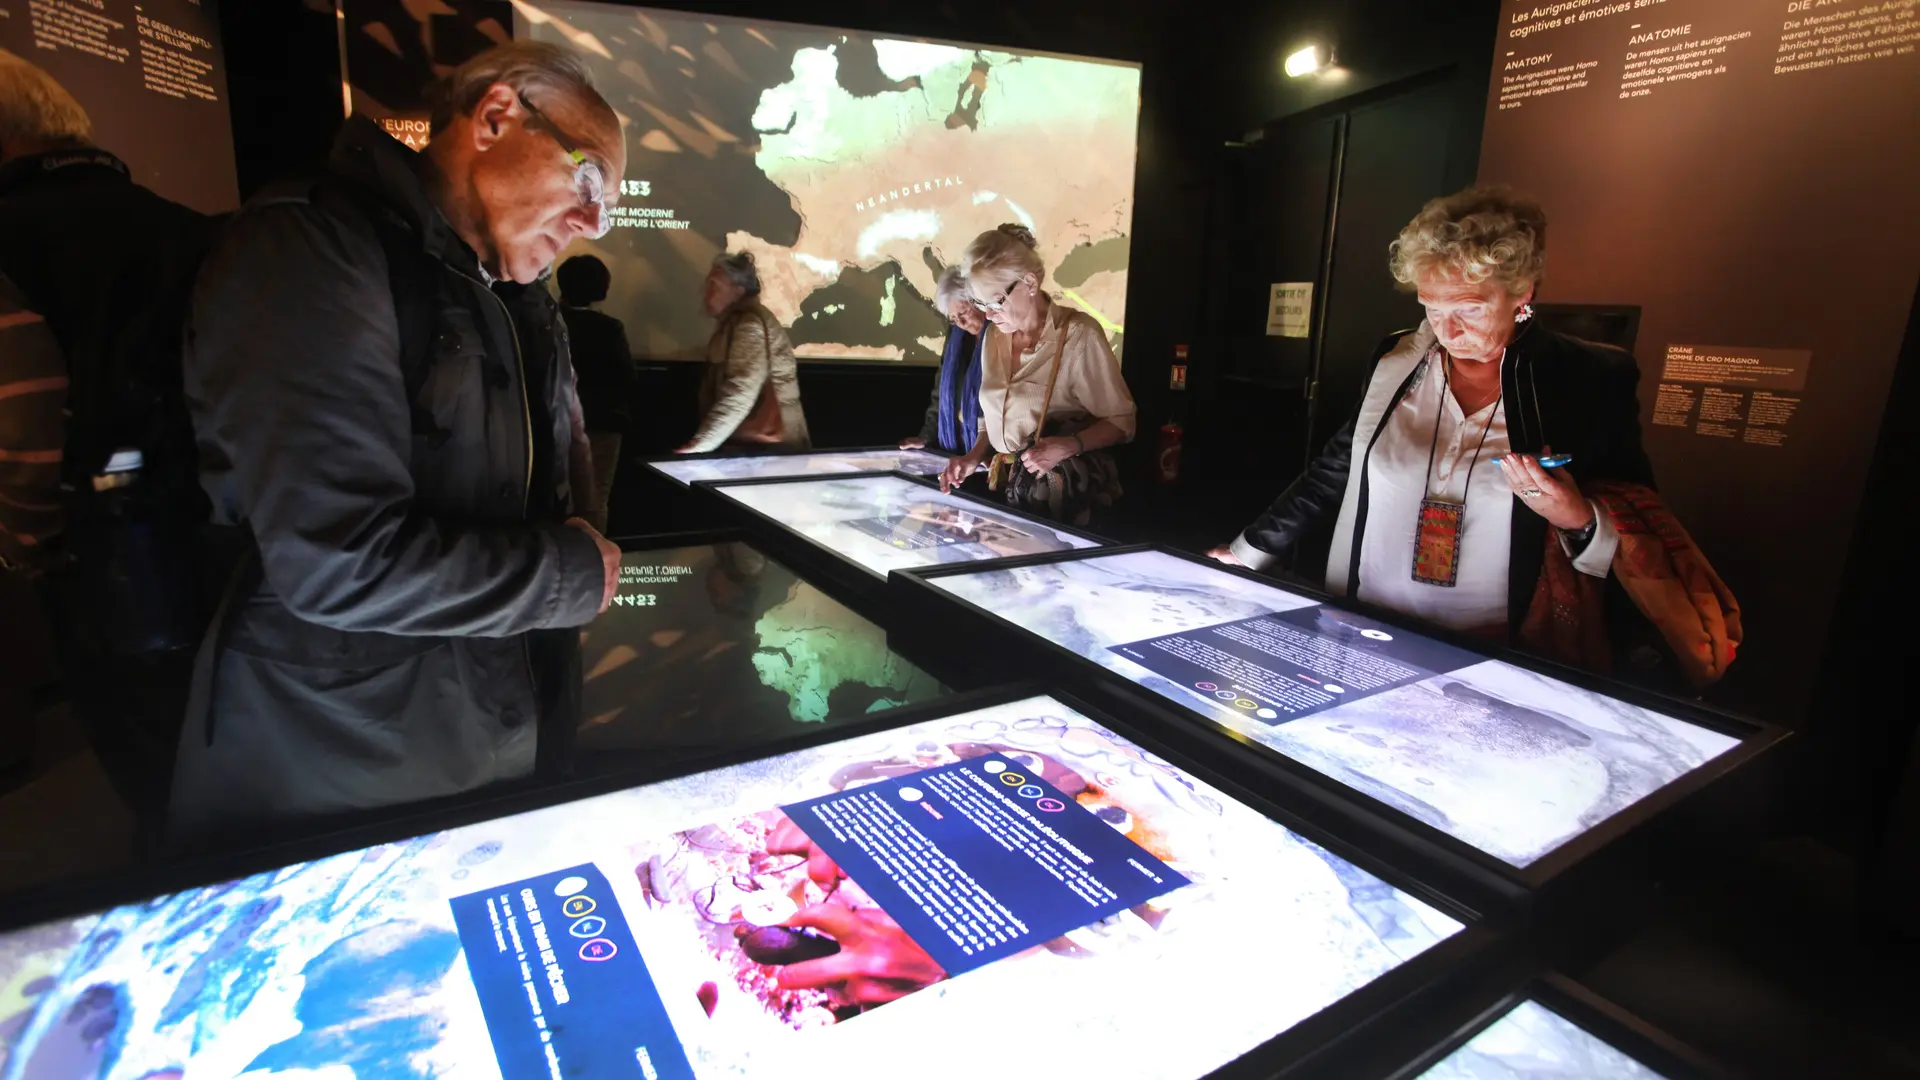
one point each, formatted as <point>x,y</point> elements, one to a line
<point>1579,537</point>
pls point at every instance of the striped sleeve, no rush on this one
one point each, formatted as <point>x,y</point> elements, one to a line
<point>33,429</point>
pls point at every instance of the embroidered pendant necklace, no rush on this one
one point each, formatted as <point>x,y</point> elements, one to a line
<point>1441,524</point>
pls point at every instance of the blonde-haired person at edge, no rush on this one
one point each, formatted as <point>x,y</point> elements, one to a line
<point>750,396</point>
<point>1051,397</point>
<point>1449,515</point>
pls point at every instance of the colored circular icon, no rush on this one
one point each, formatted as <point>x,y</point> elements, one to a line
<point>1377,635</point>
<point>1107,780</point>
<point>1245,703</point>
<point>567,886</point>
<point>1334,688</point>
<point>1051,806</point>
<point>590,926</point>
<point>912,794</point>
<point>577,906</point>
<point>996,766</point>
<point>1267,714</point>
<point>1012,779</point>
<point>1031,791</point>
<point>1223,695</point>
<point>1207,686</point>
<point>598,950</point>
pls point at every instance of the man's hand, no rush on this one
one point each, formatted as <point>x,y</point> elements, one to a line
<point>913,442</point>
<point>609,560</point>
<point>877,961</point>
<point>687,449</point>
<point>1224,554</point>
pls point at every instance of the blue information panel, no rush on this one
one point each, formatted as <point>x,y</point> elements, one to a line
<point>1289,664</point>
<point>982,858</point>
<point>563,987</point>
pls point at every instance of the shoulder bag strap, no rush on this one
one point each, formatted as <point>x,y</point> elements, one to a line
<point>1360,510</point>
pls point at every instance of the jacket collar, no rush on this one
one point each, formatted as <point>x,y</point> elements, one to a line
<point>87,164</point>
<point>386,168</point>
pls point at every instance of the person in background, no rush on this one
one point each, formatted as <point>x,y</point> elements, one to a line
<point>952,424</point>
<point>1052,400</point>
<point>1433,499</point>
<point>751,394</point>
<point>603,365</point>
<point>31,436</point>
<point>85,255</point>
<point>384,403</point>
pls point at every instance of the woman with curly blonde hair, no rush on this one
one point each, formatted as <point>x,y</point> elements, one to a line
<point>1450,495</point>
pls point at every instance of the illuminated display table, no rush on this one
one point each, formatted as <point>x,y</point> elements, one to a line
<point>687,469</point>
<point>666,501</point>
<point>1498,771</point>
<point>997,878</point>
<point>856,529</point>
<point>710,644</point>
<point>1551,1028</point>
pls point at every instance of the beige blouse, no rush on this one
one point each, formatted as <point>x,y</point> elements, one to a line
<point>1089,387</point>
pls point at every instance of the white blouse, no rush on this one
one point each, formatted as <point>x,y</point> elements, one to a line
<point>1014,390</point>
<point>1394,477</point>
<point>1478,597</point>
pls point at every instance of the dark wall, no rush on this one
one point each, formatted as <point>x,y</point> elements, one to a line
<point>283,80</point>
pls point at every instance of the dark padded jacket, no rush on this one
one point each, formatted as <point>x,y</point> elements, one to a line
<point>1578,397</point>
<point>396,640</point>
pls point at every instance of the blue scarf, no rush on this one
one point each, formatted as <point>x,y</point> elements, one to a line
<point>960,390</point>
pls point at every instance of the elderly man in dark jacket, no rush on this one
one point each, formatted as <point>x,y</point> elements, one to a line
<point>383,398</point>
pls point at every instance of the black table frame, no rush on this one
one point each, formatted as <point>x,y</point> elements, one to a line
<point>1440,974</point>
<point>1472,876</point>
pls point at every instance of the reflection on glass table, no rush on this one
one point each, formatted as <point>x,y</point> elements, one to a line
<point>1512,762</point>
<point>916,462</point>
<point>1532,1042</point>
<point>717,645</point>
<point>885,523</point>
<point>696,926</point>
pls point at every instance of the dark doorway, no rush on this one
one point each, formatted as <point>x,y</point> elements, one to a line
<point>1315,197</point>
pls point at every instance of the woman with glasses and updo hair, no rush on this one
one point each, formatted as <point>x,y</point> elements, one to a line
<point>1052,401</point>
<point>750,396</point>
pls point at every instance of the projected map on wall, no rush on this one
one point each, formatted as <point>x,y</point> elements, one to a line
<point>854,167</point>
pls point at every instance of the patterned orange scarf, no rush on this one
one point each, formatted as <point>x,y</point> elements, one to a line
<point>1664,573</point>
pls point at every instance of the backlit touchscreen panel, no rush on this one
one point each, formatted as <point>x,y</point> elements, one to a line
<point>885,523</point>
<point>1010,884</point>
<point>916,462</point>
<point>1512,762</point>
<point>1532,1041</point>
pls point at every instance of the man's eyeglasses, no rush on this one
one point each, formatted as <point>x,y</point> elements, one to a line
<point>589,181</point>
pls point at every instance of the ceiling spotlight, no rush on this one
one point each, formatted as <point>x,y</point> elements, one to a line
<point>1305,61</point>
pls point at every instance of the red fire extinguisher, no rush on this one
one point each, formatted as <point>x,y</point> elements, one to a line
<point>1171,432</point>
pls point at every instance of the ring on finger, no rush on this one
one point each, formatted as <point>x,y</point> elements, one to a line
<point>1531,493</point>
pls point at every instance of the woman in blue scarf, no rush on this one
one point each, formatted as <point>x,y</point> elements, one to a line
<point>953,412</point>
